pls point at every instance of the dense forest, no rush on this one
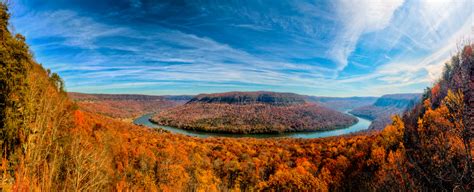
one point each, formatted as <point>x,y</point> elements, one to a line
<point>50,145</point>
<point>253,112</point>
<point>125,107</point>
<point>385,107</point>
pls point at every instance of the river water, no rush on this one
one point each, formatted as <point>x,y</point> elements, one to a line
<point>362,124</point>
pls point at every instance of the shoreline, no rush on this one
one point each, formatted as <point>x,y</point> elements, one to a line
<point>360,125</point>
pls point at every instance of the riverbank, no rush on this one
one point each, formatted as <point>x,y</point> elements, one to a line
<point>362,124</point>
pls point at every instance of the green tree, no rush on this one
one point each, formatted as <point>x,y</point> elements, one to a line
<point>14,65</point>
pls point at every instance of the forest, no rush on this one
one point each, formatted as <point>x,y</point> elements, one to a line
<point>253,112</point>
<point>49,143</point>
<point>124,107</point>
<point>386,106</point>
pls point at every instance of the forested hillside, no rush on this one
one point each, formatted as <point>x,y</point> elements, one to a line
<point>342,103</point>
<point>439,131</point>
<point>243,98</point>
<point>385,107</point>
<point>125,107</point>
<point>49,145</point>
<point>253,112</point>
<point>35,121</point>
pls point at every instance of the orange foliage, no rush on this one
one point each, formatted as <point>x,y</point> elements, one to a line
<point>98,153</point>
<point>443,154</point>
<point>146,159</point>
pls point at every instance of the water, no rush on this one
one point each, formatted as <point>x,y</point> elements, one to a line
<point>362,124</point>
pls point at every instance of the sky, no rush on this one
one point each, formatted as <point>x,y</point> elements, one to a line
<point>324,48</point>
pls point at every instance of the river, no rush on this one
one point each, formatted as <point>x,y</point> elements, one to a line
<point>362,124</point>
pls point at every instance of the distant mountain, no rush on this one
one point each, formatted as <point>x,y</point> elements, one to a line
<point>242,98</point>
<point>386,106</point>
<point>398,100</point>
<point>49,145</point>
<point>342,103</point>
<point>179,98</point>
<point>90,97</point>
<point>126,106</point>
<point>253,112</point>
<point>95,97</point>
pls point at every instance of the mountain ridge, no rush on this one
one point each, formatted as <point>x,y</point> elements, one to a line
<point>243,98</point>
<point>381,111</point>
<point>253,112</point>
<point>50,145</point>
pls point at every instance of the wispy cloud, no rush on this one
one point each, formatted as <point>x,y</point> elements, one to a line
<point>425,69</point>
<point>338,48</point>
<point>77,31</point>
<point>359,17</point>
<point>164,54</point>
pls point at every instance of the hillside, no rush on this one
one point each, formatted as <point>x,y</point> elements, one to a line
<point>244,98</point>
<point>439,131</point>
<point>385,107</point>
<point>125,106</point>
<point>97,97</point>
<point>336,103</point>
<point>342,103</point>
<point>253,112</point>
<point>141,159</point>
<point>49,145</point>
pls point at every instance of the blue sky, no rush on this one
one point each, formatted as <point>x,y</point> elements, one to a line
<point>326,48</point>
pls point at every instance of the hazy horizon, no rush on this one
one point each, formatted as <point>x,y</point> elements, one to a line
<point>323,48</point>
<point>237,91</point>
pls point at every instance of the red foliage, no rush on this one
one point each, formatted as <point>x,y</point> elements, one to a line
<point>435,90</point>
<point>467,51</point>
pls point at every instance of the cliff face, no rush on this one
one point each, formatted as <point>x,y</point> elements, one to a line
<point>398,100</point>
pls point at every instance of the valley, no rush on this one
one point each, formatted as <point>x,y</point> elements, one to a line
<point>253,112</point>
<point>54,138</point>
<point>125,107</point>
<point>382,110</point>
<point>140,109</point>
<point>361,125</point>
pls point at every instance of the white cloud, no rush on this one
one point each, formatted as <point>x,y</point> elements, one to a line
<point>409,71</point>
<point>163,54</point>
<point>359,17</point>
<point>204,60</point>
<point>77,31</point>
<point>433,63</point>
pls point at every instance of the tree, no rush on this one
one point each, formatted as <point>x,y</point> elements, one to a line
<point>14,66</point>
